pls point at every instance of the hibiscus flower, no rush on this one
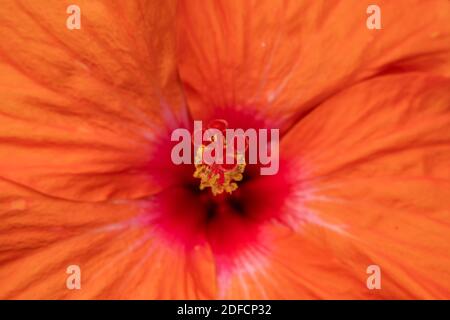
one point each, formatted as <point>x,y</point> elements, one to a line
<point>86,177</point>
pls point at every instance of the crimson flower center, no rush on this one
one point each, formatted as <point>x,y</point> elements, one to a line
<point>218,205</point>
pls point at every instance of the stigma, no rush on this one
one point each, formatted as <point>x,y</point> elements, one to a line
<point>219,177</point>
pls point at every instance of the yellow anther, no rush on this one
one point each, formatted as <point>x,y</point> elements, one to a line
<point>216,177</point>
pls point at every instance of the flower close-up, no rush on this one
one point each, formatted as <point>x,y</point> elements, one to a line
<point>113,115</point>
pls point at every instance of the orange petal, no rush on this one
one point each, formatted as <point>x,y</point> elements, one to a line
<point>40,237</point>
<point>284,58</point>
<point>297,266</point>
<point>80,107</point>
<point>376,157</point>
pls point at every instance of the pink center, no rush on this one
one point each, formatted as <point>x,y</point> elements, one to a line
<point>228,223</point>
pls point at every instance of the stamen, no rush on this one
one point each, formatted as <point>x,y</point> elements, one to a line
<point>219,177</point>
